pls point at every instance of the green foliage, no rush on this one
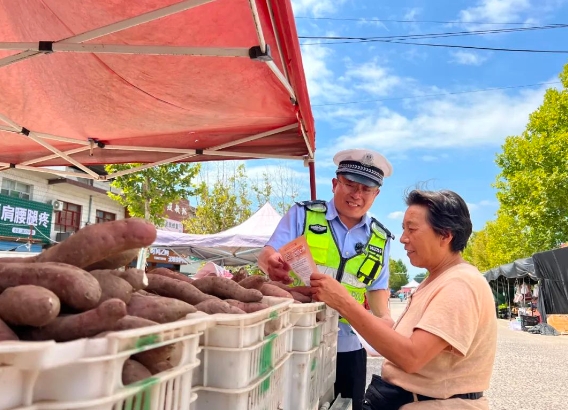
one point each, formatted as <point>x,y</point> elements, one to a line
<point>146,193</point>
<point>533,183</point>
<point>223,204</point>
<point>421,276</point>
<point>398,274</point>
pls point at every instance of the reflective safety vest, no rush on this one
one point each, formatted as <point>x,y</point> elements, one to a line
<point>356,272</point>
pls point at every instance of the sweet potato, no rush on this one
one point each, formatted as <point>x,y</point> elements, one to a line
<point>6,333</point>
<point>135,277</point>
<point>28,305</point>
<point>132,322</point>
<point>271,290</point>
<point>247,307</point>
<point>73,286</point>
<point>304,290</point>
<point>212,306</point>
<point>159,367</point>
<point>253,282</point>
<point>113,287</point>
<point>86,324</point>
<point>115,261</point>
<point>300,297</point>
<point>177,289</point>
<point>168,273</point>
<point>133,372</point>
<point>160,309</point>
<point>98,241</point>
<point>226,289</point>
<point>27,259</point>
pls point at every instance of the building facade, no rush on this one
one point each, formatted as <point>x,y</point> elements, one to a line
<point>38,208</point>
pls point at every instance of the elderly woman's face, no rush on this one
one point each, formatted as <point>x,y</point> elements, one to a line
<point>424,247</point>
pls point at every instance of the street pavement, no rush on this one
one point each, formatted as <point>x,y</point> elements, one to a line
<point>530,372</point>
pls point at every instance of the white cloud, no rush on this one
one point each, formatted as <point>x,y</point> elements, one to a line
<point>470,120</point>
<point>373,78</point>
<point>495,11</point>
<point>315,7</point>
<point>322,84</point>
<point>468,58</point>
<point>472,207</point>
<point>481,204</point>
<point>429,158</point>
<point>396,215</point>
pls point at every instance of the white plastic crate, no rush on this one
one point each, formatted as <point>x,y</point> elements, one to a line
<point>88,369</point>
<point>331,324</point>
<point>303,380</point>
<point>267,393</point>
<point>306,338</point>
<point>169,390</point>
<point>245,330</point>
<point>235,368</point>
<point>327,379</point>
<point>306,314</point>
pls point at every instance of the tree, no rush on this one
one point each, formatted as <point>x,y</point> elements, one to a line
<point>146,193</point>
<point>533,182</point>
<point>500,241</point>
<point>421,276</point>
<point>223,203</point>
<point>280,185</point>
<point>398,274</point>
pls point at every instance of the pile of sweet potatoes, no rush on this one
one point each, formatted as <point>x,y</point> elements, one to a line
<point>78,288</point>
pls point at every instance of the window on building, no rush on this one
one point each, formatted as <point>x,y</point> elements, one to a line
<point>103,216</point>
<point>16,189</point>
<point>69,218</point>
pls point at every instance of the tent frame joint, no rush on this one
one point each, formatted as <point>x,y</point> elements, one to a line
<point>45,47</point>
<point>256,53</point>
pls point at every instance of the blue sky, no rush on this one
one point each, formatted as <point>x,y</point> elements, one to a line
<point>450,141</point>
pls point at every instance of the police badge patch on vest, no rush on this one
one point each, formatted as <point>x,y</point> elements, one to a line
<point>318,229</point>
<point>376,249</point>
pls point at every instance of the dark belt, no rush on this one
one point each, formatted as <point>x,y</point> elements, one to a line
<point>465,396</point>
<point>381,395</point>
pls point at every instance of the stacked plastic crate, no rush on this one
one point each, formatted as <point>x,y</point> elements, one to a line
<point>305,364</point>
<point>87,373</point>
<point>243,360</point>
<point>329,353</point>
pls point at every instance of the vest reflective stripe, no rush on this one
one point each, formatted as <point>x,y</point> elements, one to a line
<point>328,259</point>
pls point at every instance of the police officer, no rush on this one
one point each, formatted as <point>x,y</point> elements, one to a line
<point>348,244</point>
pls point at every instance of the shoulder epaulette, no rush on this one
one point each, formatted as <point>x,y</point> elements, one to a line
<point>316,205</point>
<point>378,228</point>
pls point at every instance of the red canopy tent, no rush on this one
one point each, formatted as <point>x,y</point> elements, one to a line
<point>152,82</point>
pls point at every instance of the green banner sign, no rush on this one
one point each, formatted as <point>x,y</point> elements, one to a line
<point>19,218</point>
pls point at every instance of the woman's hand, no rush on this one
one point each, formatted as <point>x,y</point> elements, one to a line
<point>328,290</point>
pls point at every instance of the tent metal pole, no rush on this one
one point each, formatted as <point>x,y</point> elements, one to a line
<point>48,157</point>
<point>113,28</point>
<point>305,135</point>
<point>55,172</point>
<point>152,50</point>
<point>274,68</point>
<point>205,152</point>
<point>185,156</point>
<point>312,168</point>
<point>258,25</point>
<point>277,37</point>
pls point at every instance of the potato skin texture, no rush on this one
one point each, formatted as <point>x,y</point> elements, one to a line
<point>29,305</point>
<point>73,286</point>
<point>86,324</point>
<point>98,241</point>
<point>226,289</point>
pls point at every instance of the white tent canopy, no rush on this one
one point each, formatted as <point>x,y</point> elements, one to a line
<point>411,285</point>
<point>239,245</point>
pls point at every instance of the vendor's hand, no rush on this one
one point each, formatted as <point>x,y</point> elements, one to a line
<point>278,269</point>
<point>328,290</point>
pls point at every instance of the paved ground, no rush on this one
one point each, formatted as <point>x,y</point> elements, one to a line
<point>531,371</point>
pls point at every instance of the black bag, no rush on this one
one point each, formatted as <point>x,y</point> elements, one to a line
<point>381,395</point>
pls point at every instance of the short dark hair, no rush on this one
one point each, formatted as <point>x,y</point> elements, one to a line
<point>447,213</point>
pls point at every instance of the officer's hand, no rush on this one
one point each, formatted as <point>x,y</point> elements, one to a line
<point>278,270</point>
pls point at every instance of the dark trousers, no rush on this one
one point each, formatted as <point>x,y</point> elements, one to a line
<point>351,376</point>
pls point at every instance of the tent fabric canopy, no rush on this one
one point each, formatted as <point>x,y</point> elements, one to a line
<point>114,81</point>
<point>552,270</point>
<point>235,246</point>
<point>410,285</point>
<point>515,270</point>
